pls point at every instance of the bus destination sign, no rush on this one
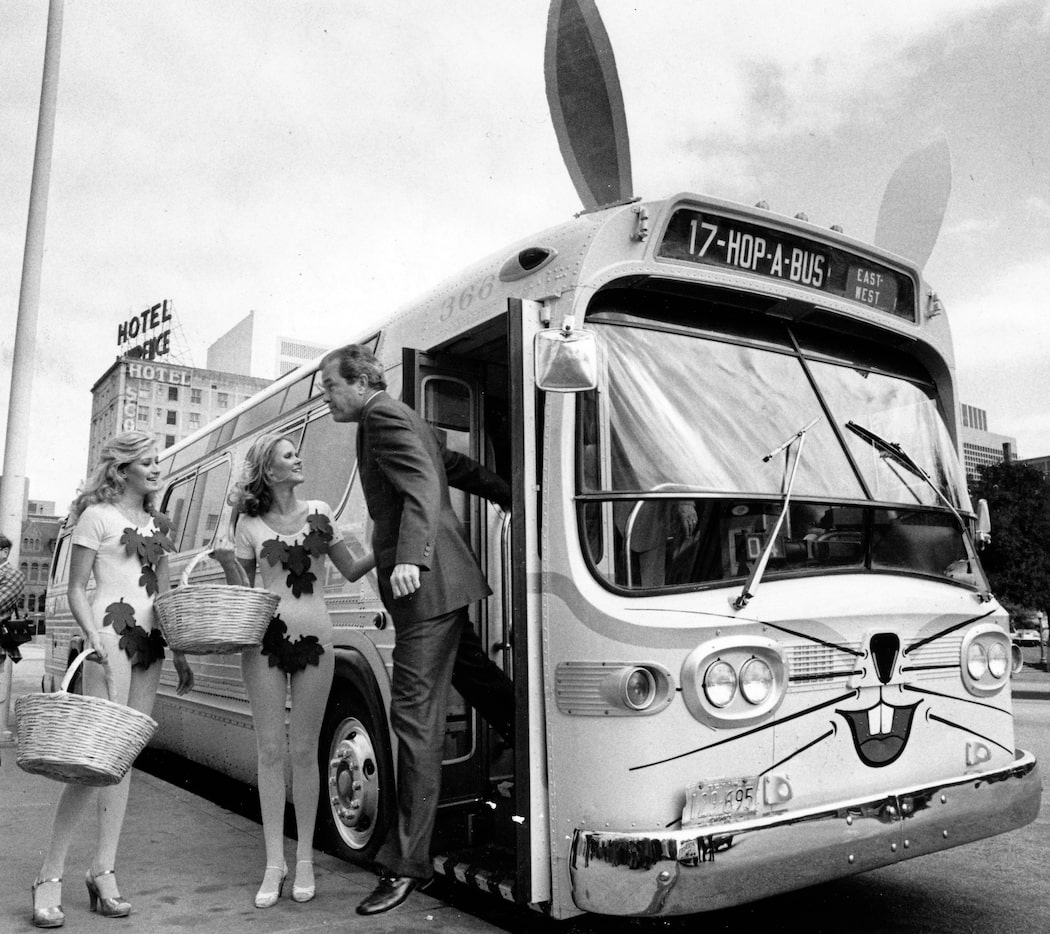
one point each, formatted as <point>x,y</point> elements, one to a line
<point>713,240</point>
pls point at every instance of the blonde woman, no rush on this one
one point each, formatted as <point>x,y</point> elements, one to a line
<point>286,541</point>
<point>121,541</point>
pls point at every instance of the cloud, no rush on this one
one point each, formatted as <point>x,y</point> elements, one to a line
<point>969,228</point>
<point>1001,334</point>
<point>1039,205</point>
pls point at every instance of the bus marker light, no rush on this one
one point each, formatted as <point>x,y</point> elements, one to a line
<point>777,789</point>
<point>638,688</point>
<point>976,753</point>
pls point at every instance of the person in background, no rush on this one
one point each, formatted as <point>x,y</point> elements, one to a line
<point>286,540</point>
<point>12,586</point>
<point>121,541</point>
<point>428,576</point>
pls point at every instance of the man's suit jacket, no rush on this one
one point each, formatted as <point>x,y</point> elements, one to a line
<point>405,472</point>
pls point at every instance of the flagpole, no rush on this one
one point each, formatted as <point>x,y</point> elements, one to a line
<point>13,488</point>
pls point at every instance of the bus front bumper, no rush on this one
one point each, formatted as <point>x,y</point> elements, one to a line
<point>705,868</point>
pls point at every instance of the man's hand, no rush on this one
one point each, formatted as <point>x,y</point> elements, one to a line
<point>404,580</point>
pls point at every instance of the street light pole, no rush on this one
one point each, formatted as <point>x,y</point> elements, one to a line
<point>13,483</point>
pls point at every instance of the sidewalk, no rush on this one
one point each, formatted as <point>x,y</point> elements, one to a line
<point>186,864</point>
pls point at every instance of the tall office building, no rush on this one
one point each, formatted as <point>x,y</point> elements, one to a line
<point>982,447</point>
<point>232,353</point>
<point>293,352</point>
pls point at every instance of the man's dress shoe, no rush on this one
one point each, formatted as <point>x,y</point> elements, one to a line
<point>391,892</point>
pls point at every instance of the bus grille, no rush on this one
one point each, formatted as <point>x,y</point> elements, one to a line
<point>814,666</point>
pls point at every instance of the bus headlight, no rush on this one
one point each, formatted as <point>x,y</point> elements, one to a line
<point>734,681</point>
<point>985,659</point>
<point>756,681</point>
<point>720,683</point>
<point>998,660</point>
<point>976,660</point>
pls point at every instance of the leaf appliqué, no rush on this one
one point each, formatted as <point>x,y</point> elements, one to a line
<point>132,541</point>
<point>119,615</point>
<point>301,583</point>
<point>274,551</point>
<point>284,654</point>
<point>148,579</point>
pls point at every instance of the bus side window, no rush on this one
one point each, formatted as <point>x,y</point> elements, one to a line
<point>56,561</point>
<point>205,507</point>
<point>175,508</point>
<point>328,451</point>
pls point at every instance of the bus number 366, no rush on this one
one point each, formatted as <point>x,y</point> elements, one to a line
<point>466,297</point>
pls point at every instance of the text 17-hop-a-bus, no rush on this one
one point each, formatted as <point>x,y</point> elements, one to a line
<point>738,590</point>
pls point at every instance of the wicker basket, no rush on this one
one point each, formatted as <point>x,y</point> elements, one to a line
<point>78,738</point>
<point>209,619</point>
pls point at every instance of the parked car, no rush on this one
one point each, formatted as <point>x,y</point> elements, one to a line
<point>1026,636</point>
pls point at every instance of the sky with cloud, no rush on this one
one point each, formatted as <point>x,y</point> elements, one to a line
<point>322,162</point>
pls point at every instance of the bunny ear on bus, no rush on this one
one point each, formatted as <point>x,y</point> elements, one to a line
<point>915,201</point>
<point>583,92</point>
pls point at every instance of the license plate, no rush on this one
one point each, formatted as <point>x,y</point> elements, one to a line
<point>720,799</point>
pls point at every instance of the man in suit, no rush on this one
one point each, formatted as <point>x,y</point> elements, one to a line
<point>428,576</point>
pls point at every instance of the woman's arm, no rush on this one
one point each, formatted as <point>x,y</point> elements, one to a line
<point>81,560</point>
<point>182,667</point>
<point>351,568</point>
<point>223,552</point>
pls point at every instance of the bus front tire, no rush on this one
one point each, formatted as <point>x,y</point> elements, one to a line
<point>357,778</point>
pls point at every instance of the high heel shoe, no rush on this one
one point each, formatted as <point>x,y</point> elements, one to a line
<point>267,896</point>
<point>107,906</point>
<point>51,916</point>
<point>303,893</point>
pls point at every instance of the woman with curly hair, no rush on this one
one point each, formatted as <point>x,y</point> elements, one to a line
<point>286,540</point>
<point>121,541</point>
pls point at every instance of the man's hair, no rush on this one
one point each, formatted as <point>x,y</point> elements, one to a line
<point>5,542</point>
<point>356,361</point>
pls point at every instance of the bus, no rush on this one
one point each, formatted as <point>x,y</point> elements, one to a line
<point>738,591</point>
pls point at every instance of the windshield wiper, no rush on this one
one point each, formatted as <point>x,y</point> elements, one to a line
<point>760,566</point>
<point>894,452</point>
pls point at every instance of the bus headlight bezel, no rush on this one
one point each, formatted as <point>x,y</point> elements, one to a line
<point>985,659</point>
<point>716,706</point>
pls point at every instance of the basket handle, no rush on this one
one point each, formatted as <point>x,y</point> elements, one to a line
<point>72,669</point>
<point>242,575</point>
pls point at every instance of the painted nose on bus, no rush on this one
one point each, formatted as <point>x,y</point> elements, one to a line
<point>884,648</point>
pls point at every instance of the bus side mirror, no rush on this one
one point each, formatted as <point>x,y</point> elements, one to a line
<point>984,524</point>
<point>565,360</point>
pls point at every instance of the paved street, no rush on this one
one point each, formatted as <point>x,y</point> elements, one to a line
<point>190,864</point>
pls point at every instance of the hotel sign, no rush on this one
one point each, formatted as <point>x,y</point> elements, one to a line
<point>146,335</point>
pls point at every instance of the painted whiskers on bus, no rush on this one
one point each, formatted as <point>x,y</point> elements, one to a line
<point>880,731</point>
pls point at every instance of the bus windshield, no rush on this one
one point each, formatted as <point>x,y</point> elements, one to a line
<point>686,412</point>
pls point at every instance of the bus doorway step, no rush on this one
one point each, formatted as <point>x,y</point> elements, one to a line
<point>489,868</point>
